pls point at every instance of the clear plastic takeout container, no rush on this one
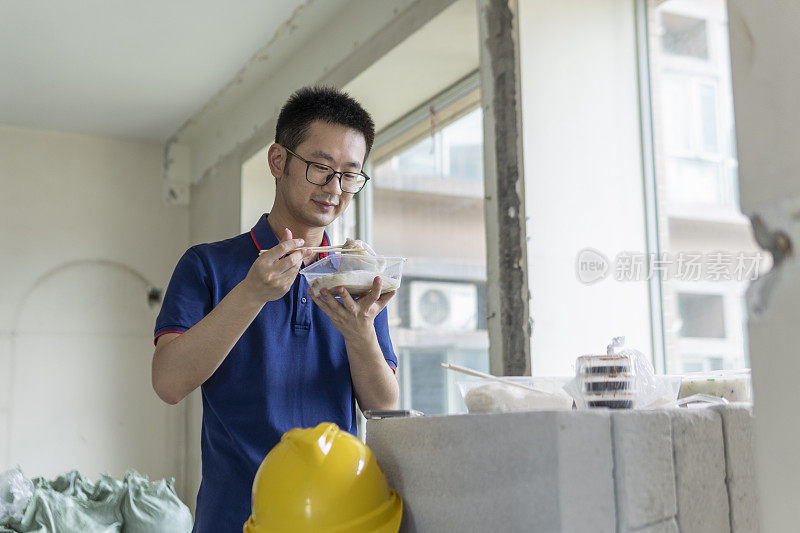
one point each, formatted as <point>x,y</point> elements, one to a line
<point>732,385</point>
<point>488,396</point>
<point>354,272</point>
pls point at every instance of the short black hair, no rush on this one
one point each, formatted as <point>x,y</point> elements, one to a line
<point>325,103</point>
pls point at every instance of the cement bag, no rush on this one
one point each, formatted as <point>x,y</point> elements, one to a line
<point>153,507</point>
<point>15,493</point>
<point>71,503</point>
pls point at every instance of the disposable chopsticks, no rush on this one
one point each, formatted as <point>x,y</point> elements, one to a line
<point>465,370</point>
<point>319,249</point>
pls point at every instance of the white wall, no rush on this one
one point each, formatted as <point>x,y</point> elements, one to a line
<point>84,233</point>
<point>583,180</point>
<point>258,189</point>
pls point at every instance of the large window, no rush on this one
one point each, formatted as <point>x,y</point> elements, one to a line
<point>427,205</point>
<point>656,209</point>
<point>695,170</point>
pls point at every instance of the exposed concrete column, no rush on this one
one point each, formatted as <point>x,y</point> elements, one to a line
<point>506,262</point>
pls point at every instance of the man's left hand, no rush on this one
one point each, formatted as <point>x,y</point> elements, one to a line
<point>353,318</point>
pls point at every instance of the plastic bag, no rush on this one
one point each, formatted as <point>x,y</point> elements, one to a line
<point>153,507</point>
<point>15,492</point>
<point>71,502</point>
<point>620,379</point>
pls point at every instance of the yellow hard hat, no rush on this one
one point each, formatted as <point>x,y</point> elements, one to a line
<point>322,480</point>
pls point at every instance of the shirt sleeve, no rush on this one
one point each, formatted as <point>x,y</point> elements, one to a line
<point>188,296</point>
<point>382,330</point>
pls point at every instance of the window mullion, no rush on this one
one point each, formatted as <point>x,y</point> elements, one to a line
<point>655,289</point>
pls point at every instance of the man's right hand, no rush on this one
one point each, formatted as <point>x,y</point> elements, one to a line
<point>273,273</point>
<point>183,362</point>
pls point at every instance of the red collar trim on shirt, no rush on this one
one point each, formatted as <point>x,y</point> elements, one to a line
<point>253,235</point>
<point>321,255</point>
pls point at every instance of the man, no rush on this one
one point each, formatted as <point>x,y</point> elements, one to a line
<point>268,355</point>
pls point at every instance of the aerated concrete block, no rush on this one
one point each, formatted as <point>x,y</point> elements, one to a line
<point>737,430</point>
<point>668,526</point>
<point>531,471</point>
<point>700,471</point>
<point>644,475</point>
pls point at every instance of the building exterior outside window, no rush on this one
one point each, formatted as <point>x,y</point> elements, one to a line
<point>696,183</point>
<point>427,206</point>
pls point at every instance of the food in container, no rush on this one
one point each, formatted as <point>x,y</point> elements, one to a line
<point>623,378</point>
<point>357,244</point>
<point>732,385</point>
<point>607,380</point>
<point>356,283</point>
<point>483,396</point>
<point>354,271</point>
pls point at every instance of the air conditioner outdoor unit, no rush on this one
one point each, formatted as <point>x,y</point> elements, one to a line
<point>444,305</point>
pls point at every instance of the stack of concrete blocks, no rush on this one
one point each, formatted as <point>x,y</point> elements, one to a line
<point>644,473</point>
<point>740,467</point>
<point>664,471</point>
<point>699,450</point>
<point>533,471</point>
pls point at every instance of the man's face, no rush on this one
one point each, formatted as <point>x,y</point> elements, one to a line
<point>334,145</point>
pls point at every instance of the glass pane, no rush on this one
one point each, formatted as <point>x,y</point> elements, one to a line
<point>428,207</point>
<point>676,104</point>
<point>428,384</point>
<point>419,160</point>
<point>447,162</point>
<point>701,315</point>
<point>708,120</point>
<point>697,191</point>
<point>692,181</point>
<point>692,366</point>
<point>684,35</point>
<point>702,363</point>
<point>463,152</point>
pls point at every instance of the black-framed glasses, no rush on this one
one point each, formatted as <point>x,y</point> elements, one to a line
<point>320,174</point>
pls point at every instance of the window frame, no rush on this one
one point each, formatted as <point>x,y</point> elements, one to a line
<point>651,210</point>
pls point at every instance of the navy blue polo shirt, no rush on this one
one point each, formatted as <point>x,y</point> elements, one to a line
<point>289,369</point>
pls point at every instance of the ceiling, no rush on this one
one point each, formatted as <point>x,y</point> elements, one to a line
<point>140,70</point>
<point>130,69</point>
